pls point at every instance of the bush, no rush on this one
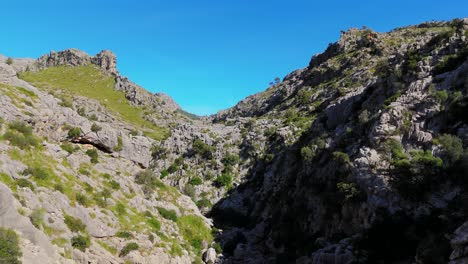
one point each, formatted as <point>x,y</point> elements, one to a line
<point>204,203</point>
<point>167,214</point>
<point>452,147</point>
<point>195,181</point>
<point>24,183</point>
<point>37,218</point>
<point>114,185</point>
<point>341,156</point>
<point>158,152</point>
<point>9,61</point>
<point>74,132</point>
<point>349,190</point>
<point>230,159</point>
<point>124,234</point>
<point>145,177</point>
<point>36,172</point>
<point>10,251</point>
<point>307,153</point>
<point>202,149</point>
<point>95,128</point>
<point>80,242</point>
<point>224,180</point>
<point>68,147</point>
<point>74,224</point>
<point>93,154</point>
<point>82,199</point>
<point>20,135</point>
<point>128,248</point>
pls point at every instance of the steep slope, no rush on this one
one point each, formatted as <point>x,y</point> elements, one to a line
<point>375,168</point>
<point>76,142</point>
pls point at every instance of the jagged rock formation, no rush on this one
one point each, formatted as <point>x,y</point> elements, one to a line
<point>366,144</point>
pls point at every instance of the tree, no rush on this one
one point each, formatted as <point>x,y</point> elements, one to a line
<point>9,61</point>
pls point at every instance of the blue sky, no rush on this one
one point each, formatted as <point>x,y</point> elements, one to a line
<point>207,55</point>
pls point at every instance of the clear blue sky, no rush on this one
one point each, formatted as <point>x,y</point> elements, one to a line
<point>207,55</point>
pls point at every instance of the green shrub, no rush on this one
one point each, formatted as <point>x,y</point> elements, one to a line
<point>349,190</point>
<point>10,251</point>
<point>93,117</point>
<point>167,214</point>
<point>451,62</point>
<point>82,199</point>
<point>124,234</point>
<point>164,174</point>
<point>452,147</point>
<point>224,180</point>
<point>74,224</point>
<point>37,218</point>
<point>307,154</point>
<point>9,61</point>
<point>93,154</point>
<point>36,172</point>
<point>230,159</point>
<point>96,128</point>
<point>128,248</point>
<point>74,133</point>
<point>158,152</point>
<point>114,185</point>
<point>20,135</point>
<point>80,242</point>
<point>341,156</point>
<point>145,177</point>
<point>24,183</point>
<point>202,149</point>
<point>154,223</point>
<point>68,147</point>
<point>440,96</point>
<point>81,111</point>
<point>204,203</point>
<point>120,209</point>
<point>195,181</point>
<point>101,197</point>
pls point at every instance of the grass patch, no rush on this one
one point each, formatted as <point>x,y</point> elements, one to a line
<point>194,231</point>
<point>89,81</point>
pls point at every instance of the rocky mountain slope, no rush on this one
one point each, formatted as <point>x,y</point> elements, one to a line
<point>361,157</point>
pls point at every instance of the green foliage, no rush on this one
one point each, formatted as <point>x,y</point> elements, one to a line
<point>383,68</point>
<point>10,251</point>
<point>167,214</point>
<point>37,217</point>
<point>194,231</point>
<point>20,134</point>
<point>440,96</point>
<point>230,159</point>
<point>451,62</point>
<point>349,190</point>
<point>120,209</point>
<point>9,61</point>
<point>341,157</point>
<point>164,174</point>
<point>452,147</point>
<point>68,147</point>
<point>128,248</point>
<point>119,144</point>
<point>74,133</point>
<point>80,242</point>
<point>93,154</point>
<point>307,154</point>
<point>90,82</point>
<point>304,96</point>
<point>81,111</point>
<point>124,234</point>
<point>95,128</point>
<point>154,224</point>
<point>24,183</point>
<point>195,181</point>
<point>158,152</point>
<point>74,224</point>
<point>224,180</point>
<point>202,149</point>
<point>82,199</point>
<point>37,172</point>
<point>114,185</point>
<point>204,203</point>
<point>101,197</point>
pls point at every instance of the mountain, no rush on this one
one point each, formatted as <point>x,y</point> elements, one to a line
<point>361,157</point>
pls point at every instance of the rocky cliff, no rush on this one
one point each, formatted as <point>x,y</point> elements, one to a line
<point>361,157</point>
